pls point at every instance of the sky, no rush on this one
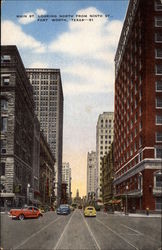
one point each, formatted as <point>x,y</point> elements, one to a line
<point>84,51</point>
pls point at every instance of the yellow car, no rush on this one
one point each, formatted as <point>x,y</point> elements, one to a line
<point>90,211</point>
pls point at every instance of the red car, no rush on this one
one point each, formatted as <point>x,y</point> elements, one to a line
<point>27,212</point>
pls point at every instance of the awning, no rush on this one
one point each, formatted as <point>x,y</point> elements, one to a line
<point>7,195</point>
<point>100,204</point>
<point>114,202</point>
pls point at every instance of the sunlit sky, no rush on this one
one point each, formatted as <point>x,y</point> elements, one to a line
<point>84,52</point>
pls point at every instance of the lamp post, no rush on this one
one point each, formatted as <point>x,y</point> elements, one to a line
<point>140,187</point>
<point>126,205</point>
<point>28,187</point>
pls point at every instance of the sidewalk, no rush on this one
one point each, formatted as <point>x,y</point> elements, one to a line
<point>138,214</point>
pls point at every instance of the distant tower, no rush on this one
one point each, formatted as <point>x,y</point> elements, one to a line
<point>91,173</point>
<point>77,193</point>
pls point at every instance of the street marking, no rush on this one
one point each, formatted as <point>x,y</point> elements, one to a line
<point>59,240</point>
<point>118,234</point>
<point>132,229</point>
<point>33,235</point>
<point>92,235</point>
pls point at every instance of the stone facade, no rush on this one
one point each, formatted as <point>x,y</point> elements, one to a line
<point>104,138</point>
<point>48,98</point>
<point>47,174</point>
<point>17,128</point>
<point>91,174</point>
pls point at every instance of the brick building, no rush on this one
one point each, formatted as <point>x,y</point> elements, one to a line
<point>19,131</point>
<point>138,107</point>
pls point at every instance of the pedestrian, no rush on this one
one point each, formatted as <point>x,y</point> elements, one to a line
<point>147,210</point>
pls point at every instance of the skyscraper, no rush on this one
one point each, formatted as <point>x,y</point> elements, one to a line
<point>48,98</point>
<point>66,177</point>
<point>91,173</point>
<point>104,138</point>
<point>138,107</point>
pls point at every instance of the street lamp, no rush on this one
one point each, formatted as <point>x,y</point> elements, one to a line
<point>126,205</point>
<point>140,187</point>
<point>28,187</point>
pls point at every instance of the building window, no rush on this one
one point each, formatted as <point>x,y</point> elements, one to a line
<point>158,86</point>
<point>159,137</point>
<point>158,119</point>
<point>158,53</point>
<point>158,37</point>
<point>158,201</point>
<point>2,168</point>
<point>158,180</point>
<point>5,58</point>
<point>158,102</point>
<point>158,21</point>
<point>3,124</point>
<point>140,141</point>
<point>140,126</point>
<point>3,145</point>
<point>158,152</point>
<point>158,5</point>
<point>5,80</point>
<point>158,69</point>
<point>4,104</point>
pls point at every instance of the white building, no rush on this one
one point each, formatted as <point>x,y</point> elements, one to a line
<point>66,177</point>
<point>48,98</point>
<point>104,138</point>
<point>91,173</point>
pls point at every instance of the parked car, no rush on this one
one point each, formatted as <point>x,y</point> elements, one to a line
<point>26,212</point>
<point>90,211</point>
<point>63,209</point>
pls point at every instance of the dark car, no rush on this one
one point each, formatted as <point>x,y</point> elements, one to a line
<point>63,209</point>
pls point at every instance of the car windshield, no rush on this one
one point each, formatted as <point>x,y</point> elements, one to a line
<point>63,206</point>
<point>90,208</point>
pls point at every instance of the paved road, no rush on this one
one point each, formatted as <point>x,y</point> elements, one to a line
<point>76,232</point>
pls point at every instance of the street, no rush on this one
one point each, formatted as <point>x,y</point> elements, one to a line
<point>74,231</point>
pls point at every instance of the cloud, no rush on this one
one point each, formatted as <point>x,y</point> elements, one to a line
<point>40,12</point>
<point>38,64</point>
<point>90,48</point>
<point>88,79</point>
<point>19,38</point>
<point>88,38</point>
<point>27,17</point>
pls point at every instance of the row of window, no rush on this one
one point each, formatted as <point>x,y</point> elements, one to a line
<point>158,154</point>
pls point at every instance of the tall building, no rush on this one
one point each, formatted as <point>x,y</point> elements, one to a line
<point>138,107</point>
<point>19,166</point>
<point>104,138</point>
<point>48,98</point>
<point>91,173</point>
<point>66,177</point>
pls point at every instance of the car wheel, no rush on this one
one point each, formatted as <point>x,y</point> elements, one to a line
<point>21,217</point>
